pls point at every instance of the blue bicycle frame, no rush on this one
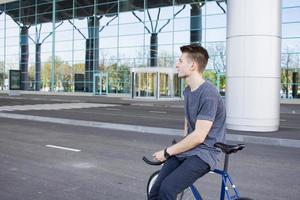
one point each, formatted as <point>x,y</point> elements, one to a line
<point>224,189</point>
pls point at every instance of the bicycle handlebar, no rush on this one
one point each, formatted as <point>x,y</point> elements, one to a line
<point>150,162</point>
<point>226,148</point>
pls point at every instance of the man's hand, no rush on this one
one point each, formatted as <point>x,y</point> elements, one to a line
<point>159,155</point>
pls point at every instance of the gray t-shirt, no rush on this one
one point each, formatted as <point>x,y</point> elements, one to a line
<point>205,103</point>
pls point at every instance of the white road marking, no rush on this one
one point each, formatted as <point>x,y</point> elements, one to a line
<point>116,109</point>
<point>63,148</point>
<point>283,120</point>
<point>159,112</point>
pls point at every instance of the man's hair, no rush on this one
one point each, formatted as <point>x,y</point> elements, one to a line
<point>197,53</point>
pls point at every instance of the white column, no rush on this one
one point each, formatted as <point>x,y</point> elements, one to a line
<point>253,64</point>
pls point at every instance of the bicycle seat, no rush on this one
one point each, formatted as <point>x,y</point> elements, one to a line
<point>228,149</point>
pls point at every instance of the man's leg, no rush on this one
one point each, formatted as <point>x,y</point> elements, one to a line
<point>183,176</point>
<point>170,165</point>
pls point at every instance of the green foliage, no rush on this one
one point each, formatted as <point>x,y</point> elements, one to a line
<point>284,79</point>
<point>3,75</point>
<point>79,68</point>
<point>62,74</point>
<point>31,73</point>
<point>212,76</point>
<point>118,78</point>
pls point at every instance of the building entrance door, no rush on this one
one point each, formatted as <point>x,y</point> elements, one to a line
<point>145,84</point>
<point>100,83</point>
<point>156,82</point>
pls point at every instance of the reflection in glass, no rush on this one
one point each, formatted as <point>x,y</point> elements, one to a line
<point>145,84</point>
<point>177,86</point>
<point>100,84</point>
<point>164,87</point>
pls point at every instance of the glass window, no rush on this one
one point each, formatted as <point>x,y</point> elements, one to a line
<point>164,85</point>
<point>181,11</point>
<point>109,31</point>
<point>131,41</point>
<point>215,34</point>
<point>127,5</point>
<point>177,85</point>
<point>291,14</point>
<point>291,44</point>
<point>165,38</point>
<point>165,57</point>
<point>216,21</point>
<point>289,3</point>
<point>181,24</point>
<point>291,30</point>
<point>135,28</point>
<point>182,37</point>
<point>145,84</point>
<point>110,55</point>
<point>212,8</point>
<point>108,42</point>
<point>104,8</point>
<point>128,52</point>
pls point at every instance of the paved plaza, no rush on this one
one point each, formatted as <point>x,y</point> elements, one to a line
<point>70,147</point>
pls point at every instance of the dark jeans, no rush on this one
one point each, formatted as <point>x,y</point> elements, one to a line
<point>176,175</point>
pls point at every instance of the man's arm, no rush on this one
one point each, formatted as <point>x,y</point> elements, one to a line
<point>185,129</point>
<point>192,140</point>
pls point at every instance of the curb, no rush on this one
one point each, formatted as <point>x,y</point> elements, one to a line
<point>152,130</point>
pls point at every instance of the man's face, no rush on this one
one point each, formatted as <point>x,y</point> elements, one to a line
<point>184,66</point>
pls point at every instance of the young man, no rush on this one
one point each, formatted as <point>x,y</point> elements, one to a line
<point>195,154</point>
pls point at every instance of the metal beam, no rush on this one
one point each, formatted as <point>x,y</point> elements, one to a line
<point>6,1</point>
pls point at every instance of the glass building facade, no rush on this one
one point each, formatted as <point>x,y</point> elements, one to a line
<point>124,46</point>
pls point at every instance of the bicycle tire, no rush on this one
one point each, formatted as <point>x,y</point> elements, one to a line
<point>151,181</point>
<point>187,194</point>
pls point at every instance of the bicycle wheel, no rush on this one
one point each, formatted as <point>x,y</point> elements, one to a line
<point>187,194</point>
<point>151,181</point>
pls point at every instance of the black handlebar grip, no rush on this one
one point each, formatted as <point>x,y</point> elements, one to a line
<point>152,162</point>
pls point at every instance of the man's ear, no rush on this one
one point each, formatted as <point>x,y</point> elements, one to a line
<point>193,66</point>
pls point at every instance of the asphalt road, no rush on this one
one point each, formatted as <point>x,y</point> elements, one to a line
<point>109,166</point>
<point>157,114</point>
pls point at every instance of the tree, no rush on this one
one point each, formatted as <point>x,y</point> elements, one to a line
<point>78,68</point>
<point>119,78</point>
<point>210,75</point>
<point>165,59</point>
<point>31,73</point>
<point>289,61</point>
<point>46,73</point>
<point>31,76</point>
<point>3,75</point>
<point>217,57</point>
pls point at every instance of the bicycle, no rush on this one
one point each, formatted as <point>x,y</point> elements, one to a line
<point>191,192</point>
